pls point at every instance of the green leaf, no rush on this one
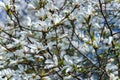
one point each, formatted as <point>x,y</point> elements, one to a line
<point>42,72</point>
<point>92,37</point>
<point>7,7</point>
<point>107,1</point>
<point>60,62</point>
<point>117,45</point>
<point>29,71</point>
<point>75,67</point>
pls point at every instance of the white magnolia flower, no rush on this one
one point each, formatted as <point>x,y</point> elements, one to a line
<point>20,5</point>
<point>21,67</point>
<point>81,34</point>
<point>10,45</point>
<point>67,77</point>
<point>31,7</point>
<point>56,19</point>
<point>63,36</point>
<point>51,6</point>
<point>2,5</point>
<point>97,25</point>
<point>13,62</point>
<point>68,60</point>
<point>96,40</point>
<point>25,21</point>
<point>77,59</point>
<point>68,69</point>
<point>113,77</point>
<point>55,59</point>
<point>46,78</point>
<point>51,63</point>
<point>7,72</point>
<point>48,61</point>
<point>62,54</point>
<point>41,13</point>
<point>19,53</point>
<point>77,2</point>
<point>75,43</point>
<point>1,57</point>
<point>110,39</point>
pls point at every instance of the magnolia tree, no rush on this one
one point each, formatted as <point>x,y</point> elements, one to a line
<point>59,40</point>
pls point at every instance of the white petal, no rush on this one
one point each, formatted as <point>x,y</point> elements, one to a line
<point>49,66</point>
<point>67,77</point>
<point>62,36</point>
<point>75,43</point>
<point>68,59</point>
<point>62,54</point>
<point>68,69</point>
<point>30,7</point>
<point>16,40</point>
<point>21,67</point>
<point>48,61</point>
<point>110,40</point>
<point>55,60</point>
<point>46,78</point>
<point>2,5</point>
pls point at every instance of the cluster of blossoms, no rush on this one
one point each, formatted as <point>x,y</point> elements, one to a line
<point>59,40</point>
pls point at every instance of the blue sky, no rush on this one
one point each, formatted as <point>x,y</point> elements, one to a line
<point>1,0</point>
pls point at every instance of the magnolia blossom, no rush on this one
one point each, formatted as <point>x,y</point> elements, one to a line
<point>2,5</point>
<point>66,39</point>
